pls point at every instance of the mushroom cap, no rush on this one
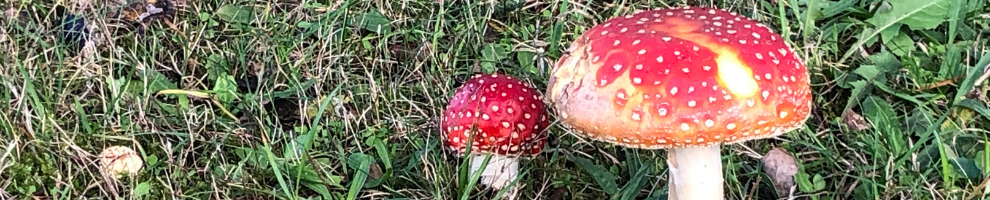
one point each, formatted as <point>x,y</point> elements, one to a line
<point>680,77</point>
<point>502,115</point>
<point>120,160</point>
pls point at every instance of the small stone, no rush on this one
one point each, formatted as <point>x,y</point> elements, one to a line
<point>781,167</point>
<point>120,160</point>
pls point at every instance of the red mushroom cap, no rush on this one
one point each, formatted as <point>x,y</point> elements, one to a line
<point>502,114</point>
<point>680,77</point>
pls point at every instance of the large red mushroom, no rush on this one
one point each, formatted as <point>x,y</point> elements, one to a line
<point>498,115</point>
<point>686,79</point>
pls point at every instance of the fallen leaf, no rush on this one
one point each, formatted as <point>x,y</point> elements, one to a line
<point>781,167</point>
<point>855,121</point>
<point>375,172</point>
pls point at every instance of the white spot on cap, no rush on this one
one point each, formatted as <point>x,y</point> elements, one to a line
<point>616,43</point>
<point>709,123</point>
<point>731,126</point>
<point>617,67</point>
<point>642,51</point>
<point>692,103</point>
<point>685,127</point>
<point>635,116</point>
<point>484,116</point>
<point>635,42</point>
<point>495,108</point>
<point>637,80</point>
<point>783,114</point>
<point>660,59</point>
<point>673,91</point>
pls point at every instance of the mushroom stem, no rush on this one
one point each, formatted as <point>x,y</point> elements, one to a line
<point>501,170</point>
<point>695,173</point>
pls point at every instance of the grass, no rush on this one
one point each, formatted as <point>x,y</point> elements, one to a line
<point>341,100</point>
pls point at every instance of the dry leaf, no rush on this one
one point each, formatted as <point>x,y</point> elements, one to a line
<point>855,121</point>
<point>781,167</point>
<point>375,172</point>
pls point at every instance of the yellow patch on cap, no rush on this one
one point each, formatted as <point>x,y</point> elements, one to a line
<point>735,76</point>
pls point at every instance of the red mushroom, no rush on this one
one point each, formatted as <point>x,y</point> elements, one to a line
<point>499,115</point>
<point>687,79</point>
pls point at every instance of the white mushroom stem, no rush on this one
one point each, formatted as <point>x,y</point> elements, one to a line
<point>501,170</point>
<point>695,173</point>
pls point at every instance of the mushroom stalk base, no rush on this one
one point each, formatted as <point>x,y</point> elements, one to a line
<point>501,170</point>
<point>695,173</point>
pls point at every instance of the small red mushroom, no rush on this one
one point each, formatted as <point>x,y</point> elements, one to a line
<point>687,79</point>
<point>498,115</point>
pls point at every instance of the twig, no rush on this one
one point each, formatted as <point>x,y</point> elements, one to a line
<point>940,83</point>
